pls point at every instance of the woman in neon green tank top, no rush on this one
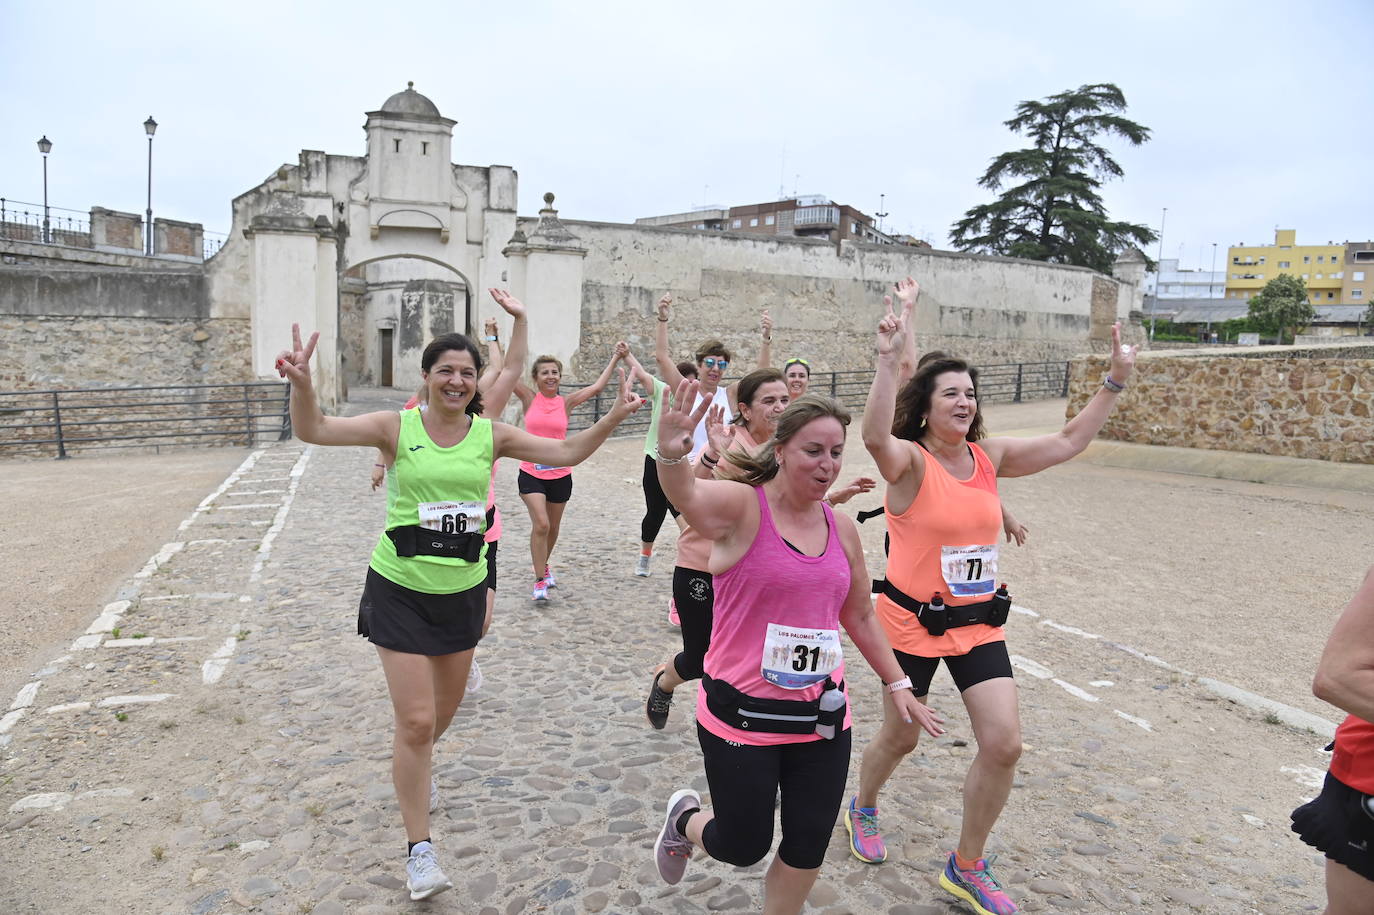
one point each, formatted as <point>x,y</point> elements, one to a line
<point>425,593</point>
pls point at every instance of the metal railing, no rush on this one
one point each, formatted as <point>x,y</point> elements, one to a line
<point>211,243</point>
<point>1007,383</point>
<point>58,423</point>
<point>23,221</point>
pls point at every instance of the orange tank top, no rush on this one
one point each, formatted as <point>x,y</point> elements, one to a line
<point>946,514</point>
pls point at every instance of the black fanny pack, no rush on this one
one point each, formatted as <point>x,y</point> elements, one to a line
<point>943,617</point>
<point>771,716</point>
<point>413,540</point>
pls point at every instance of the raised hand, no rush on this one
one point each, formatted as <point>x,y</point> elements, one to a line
<point>489,328</point>
<point>857,486</point>
<point>1123,357</point>
<point>677,419</point>
<point>893,328</point>
<point>766,326</point>
<point>513,306</point>
<point>908,291</point>
<point>294,364</point>
<point>622,349</point>
<point>663,303</point>
<point>720,435</point>
<point>627,401</point>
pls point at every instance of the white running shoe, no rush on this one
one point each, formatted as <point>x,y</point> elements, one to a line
<point>541,592</point>
<point>475,680</point>
<point>642,566</point>
<point>549,579</point>
<point>433,795</point>
<point>423,876</point>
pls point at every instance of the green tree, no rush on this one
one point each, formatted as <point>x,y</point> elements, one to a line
<point>1051,209</point>
<point>1282,306</point>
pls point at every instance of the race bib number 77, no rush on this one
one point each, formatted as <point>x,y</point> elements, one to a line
<point>970,571</point>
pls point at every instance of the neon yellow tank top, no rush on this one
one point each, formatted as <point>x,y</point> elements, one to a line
<point>441,488</point>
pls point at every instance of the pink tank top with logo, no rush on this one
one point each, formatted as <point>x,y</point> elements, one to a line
<point>772,583</point>
<point>547,417</point>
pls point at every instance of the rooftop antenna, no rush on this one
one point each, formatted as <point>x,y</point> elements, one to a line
<point>881,215</point>
<point>782,171</point>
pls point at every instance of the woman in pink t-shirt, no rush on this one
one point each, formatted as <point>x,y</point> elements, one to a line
<point>788,573</point>
<point>546,490</point>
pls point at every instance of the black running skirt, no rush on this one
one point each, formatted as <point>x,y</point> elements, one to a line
<point>414,622</point>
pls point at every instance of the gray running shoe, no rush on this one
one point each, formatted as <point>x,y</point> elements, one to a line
<point>433,795</point>
<point>423,877</point>
<point>475,680</point>
<point>642,566</point>
<point>672,849</point>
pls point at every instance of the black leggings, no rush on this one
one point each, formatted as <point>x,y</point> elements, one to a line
<point>745,779</point>
<point>655,503</point>
<point>695,599</point>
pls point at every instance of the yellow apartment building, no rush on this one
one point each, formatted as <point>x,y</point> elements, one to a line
<point>1321,267</point>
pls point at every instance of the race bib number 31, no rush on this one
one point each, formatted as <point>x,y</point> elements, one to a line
<point>795,657</point>
<point>970,571</point>
<point>453,517</point>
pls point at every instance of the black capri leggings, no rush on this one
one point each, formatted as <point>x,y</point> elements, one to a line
<point>656,504</point>
<point>745,779</point>
<point>695,599</point>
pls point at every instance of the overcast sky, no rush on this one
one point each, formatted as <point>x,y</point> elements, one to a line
<point>1260,111</point>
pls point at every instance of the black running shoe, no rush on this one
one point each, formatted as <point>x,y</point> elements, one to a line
<point>659,704</point>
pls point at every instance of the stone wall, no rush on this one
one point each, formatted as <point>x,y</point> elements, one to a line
<point>69,323</point>
<point>1292,401</point>
<point>45,352</point>
<point>825,301</point>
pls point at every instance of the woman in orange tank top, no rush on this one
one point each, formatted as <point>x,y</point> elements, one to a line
<point>944,516</point>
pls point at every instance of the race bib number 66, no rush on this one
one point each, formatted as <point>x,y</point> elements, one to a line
<point>453,517</point>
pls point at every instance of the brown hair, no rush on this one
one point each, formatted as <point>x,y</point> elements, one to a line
<point>687,369</point>
<point>759,467</point>
<point>712,348</point>
<point>452,341</point>
<point>749,388</point>
<point>913,400</point>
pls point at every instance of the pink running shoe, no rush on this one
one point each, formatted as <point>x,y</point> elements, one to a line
<point>977,887</point>
<point>672,613</point>
<point>865,841</point>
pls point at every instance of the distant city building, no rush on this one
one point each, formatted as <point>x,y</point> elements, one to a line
<point>1320,267</point>
<point>1357,286</point>
<point>1174,283</point>
<point>811,216</point>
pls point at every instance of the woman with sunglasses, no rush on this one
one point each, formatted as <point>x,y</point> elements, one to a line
<point>712,358</point>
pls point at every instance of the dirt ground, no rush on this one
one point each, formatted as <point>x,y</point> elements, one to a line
<point>74,529</point>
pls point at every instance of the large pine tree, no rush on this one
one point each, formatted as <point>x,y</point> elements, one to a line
<point>1051,209</point>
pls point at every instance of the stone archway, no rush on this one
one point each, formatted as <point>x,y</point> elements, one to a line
<point>387,314</point>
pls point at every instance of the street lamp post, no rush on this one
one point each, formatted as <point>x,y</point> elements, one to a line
<point>45,147</point>
<point>1211,278</point>
<point>151,127</point>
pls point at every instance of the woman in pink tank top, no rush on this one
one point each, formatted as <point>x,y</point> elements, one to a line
<point>772,716</point>
<point>546,490</point>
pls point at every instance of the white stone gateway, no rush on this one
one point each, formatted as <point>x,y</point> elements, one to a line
<point>334,229</point>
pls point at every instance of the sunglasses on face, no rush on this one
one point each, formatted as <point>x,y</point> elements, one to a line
<point>711,362</point>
